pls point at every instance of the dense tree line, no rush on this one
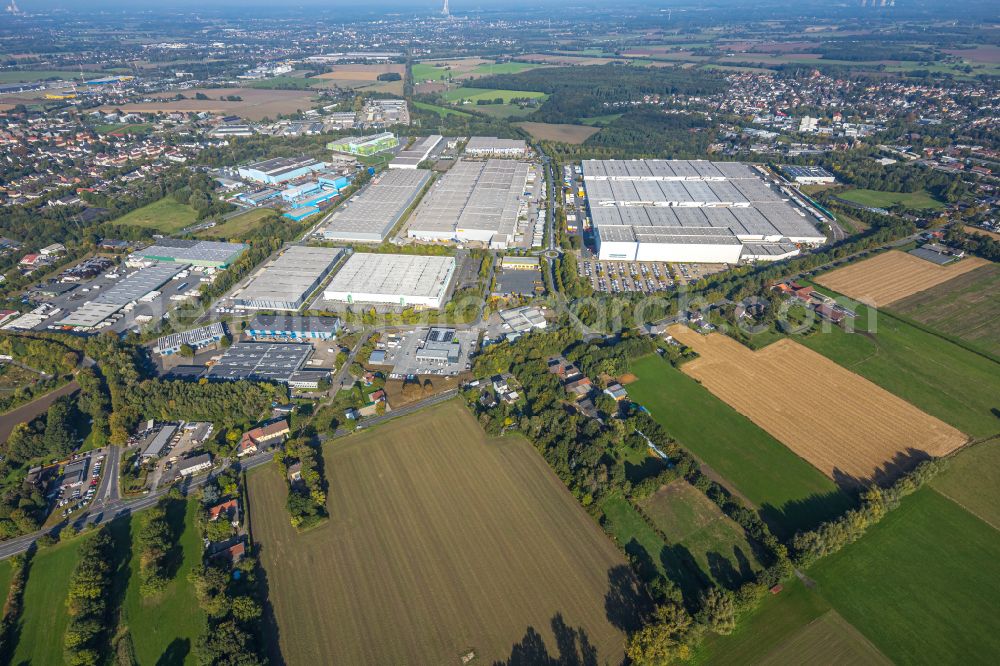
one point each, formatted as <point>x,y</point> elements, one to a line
<point>225,403</point>
<point>87,601</point>
<point>876,502</point>
<point>580,92</point>
<point>232,631</point>
<point>14,606</point>
<point>651,133</point>
<point>980,245</point>
<point>155,538</point>
<point>306,496</point>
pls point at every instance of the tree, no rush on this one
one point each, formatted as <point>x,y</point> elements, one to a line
<point>665,640</point>
<point>186,350</point>
<point>718,612</point>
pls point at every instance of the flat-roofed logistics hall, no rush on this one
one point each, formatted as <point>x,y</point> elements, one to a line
<point>397,279</point>
<point>369,215</point>
<point>691,211</point>
<point>474,201</point>
<point>286,282</point>
<point>197,253</point>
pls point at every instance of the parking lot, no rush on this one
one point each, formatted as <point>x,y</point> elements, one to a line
<point>54,306</point>
<point>626,276</point>
<point>72,499</point>
<point>401,352</point>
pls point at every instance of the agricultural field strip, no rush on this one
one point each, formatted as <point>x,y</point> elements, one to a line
<point>827,639</point>
<point>965,307</point>
<point>838,421</point>
<point>893,275</point>
<point>398,508</point>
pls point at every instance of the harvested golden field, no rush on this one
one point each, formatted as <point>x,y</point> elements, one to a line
<point>893,275</point>
<point>362,72</point>
<point>557,132</point>
<point>257,103</point>
<point>440,541</point>
<point>847,427</point>
<point>976,230</point>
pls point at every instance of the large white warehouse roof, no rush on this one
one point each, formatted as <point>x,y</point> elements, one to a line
<point>398,279</point>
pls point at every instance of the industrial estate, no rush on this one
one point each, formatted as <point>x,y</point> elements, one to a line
<point>639,335</point>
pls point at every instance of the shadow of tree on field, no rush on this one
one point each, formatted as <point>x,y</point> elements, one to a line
<point>573,647</point>
<point>176,653</point>
<point>271,633</point>
<point>626,602</point>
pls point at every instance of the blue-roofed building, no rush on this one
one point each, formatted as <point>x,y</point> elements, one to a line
<point>338,183</point>
<point>299,214</point>
<point>281,169</point>
<point>291,327</point>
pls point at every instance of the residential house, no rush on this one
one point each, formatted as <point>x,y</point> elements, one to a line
<point>229,510</point>
<point>254,440</point>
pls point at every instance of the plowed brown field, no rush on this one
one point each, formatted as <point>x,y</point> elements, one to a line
<point>846,426</point>
<point>893,275</point>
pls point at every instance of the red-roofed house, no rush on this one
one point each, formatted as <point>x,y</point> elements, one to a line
<point>254,439</point>
<point>228,509</point>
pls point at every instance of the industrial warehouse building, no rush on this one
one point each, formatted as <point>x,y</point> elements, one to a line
<point>293,327</point>
<point>808,175</point>
<point>691,211</point>
<point>370,215</point>
<point>474,201</point>
<point>405,280</point>
<point>490,146</point>
<point>280,169</point>
<point>128,290</point>
<point>197,253</point>
<point>364,145</point>
<point>286,282</point>
<point>195,338</point>
<point>267,362</point>
<point>415,154</point>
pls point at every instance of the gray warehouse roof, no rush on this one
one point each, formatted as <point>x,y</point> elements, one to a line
<point>656,195</point>
<point>370,215</point>
<point>395,274</point>
<point>285,283</point>
<point>194,251</point>
<point>473,195</point>
<point>260,361</point>
<point>129,289</point>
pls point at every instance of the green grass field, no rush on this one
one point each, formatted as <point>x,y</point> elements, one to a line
<point>778,618</point>
<point>133,128</point>
<point>972,481</point>
<point>943,379</point>
<point>922,585</point>
<point>488,69</point>
<point>164,628</point>
<point>965,307</point>
<point>473,94</point>
<point>440,541</point>
<point>638,539</point>
<point>699,530</point>
<point>288,83</point>
<point>829,639</point>
<point>43,622</point>
<point>791,493</point>
<point>877,199</point>
<point>422,72</point>
<point>5,574</point>
<point>29,76</point>
<point>166,216</point>
<point>240,226</point>
<point>440,110</point>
